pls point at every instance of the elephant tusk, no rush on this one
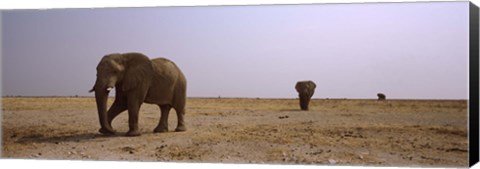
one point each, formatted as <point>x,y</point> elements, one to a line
<point>109,88</point>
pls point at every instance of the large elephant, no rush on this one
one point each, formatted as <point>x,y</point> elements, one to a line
<point>136,80</point>
<point>305,91</point>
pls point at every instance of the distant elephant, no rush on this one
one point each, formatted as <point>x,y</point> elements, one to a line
<point>305,91</point>
<point>136,80</point>
<point>381,96</point>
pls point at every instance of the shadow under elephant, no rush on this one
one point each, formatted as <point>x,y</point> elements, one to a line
<point>80,137</point>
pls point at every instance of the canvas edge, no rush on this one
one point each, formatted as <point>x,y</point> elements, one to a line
<point>473,84</point>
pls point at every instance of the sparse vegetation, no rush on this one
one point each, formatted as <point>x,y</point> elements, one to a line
<point>333,132</point>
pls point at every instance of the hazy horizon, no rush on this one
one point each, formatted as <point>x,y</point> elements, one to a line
<point>405,50</point>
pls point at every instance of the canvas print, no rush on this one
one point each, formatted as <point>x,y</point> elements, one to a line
<point>373,84</point>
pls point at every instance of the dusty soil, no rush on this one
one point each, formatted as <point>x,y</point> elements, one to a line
<point>271,131</point>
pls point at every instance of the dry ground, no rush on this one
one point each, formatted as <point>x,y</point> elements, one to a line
<point>271,131</point>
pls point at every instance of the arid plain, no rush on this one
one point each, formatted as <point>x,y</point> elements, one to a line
<point>235,130</point>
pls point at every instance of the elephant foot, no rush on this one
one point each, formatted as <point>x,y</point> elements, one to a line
<point>107,131</point>
<point>181,128</point>
<point>160,130</point>
<point>133,133</point>
<point>305,108</point>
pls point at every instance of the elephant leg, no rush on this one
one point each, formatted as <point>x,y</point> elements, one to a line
<point>303,103</point>
<point>181,122</point>
<point>133,110</point>
<point>163,123</point>
<point>307,102</point>
<point>300,101</point>
<point>116,108</point>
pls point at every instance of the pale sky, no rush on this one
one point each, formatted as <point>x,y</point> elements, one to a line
<point>405,50</point>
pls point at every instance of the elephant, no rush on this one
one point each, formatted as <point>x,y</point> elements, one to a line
<point>138,80</point>
<point>381,96</point>
<point>305,91</point>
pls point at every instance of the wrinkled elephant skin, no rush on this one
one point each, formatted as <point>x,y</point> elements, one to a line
<point>305,90</point>
<point>137,80</point>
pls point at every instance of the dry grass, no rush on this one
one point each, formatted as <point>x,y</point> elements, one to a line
<point>351,132</point>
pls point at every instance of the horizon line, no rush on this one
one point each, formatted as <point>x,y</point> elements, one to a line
<point>212,97</point>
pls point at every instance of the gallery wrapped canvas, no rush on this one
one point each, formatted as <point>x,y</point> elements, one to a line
<point>290,84</point>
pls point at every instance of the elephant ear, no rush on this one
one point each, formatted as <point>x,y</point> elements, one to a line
<point>138,73</point>
<point>313,88</point>
<point>314,85</point>
<point>297,86</point>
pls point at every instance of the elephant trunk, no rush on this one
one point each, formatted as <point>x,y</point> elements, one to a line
<point>304,100</point>
<point>101,97</point>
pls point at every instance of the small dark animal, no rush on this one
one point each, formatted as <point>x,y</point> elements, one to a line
<point>381,96</point>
